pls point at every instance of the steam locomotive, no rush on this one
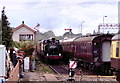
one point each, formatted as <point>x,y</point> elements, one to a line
<point>49,49</point>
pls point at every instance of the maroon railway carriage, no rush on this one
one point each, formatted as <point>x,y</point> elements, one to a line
<point>92,51</point>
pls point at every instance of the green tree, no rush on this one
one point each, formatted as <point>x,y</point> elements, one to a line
<point>6,31</point>
<point>27,47</point>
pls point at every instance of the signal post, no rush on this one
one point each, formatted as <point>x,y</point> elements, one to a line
<point>72,65</point>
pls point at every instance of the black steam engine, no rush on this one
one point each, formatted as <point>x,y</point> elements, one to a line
<point>49,49</point>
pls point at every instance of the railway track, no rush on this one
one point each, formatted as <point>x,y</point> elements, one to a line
<point>63,70</point>
<point>84,71</point>
<point>59,69</point>
<point>80,70</point>
<point>61,73</point>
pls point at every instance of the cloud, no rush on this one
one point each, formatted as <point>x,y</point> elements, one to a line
<point>60,14</point>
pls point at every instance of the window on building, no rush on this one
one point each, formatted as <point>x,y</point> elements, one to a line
<point>25,37</point>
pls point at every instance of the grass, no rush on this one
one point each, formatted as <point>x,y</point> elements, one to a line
<point>43,67</point>
<point>46,69</point>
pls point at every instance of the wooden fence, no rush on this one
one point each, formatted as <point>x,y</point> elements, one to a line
<point>14,74</point>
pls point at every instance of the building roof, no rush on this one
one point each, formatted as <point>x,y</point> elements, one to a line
<point>23,25</point>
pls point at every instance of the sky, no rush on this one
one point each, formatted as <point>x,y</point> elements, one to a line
<point>58,15</point>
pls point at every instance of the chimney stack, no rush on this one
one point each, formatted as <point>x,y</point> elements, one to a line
<point>22,22</point>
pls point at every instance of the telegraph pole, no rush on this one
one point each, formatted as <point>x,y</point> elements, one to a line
<point>103,22</point>
<point>81,26</point>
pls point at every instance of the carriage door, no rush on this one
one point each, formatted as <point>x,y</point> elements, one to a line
<point>106,51</point>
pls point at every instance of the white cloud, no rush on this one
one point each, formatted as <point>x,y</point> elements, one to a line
<point>60,14</point>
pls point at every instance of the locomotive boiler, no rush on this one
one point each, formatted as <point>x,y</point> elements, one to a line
<point>49,49</point>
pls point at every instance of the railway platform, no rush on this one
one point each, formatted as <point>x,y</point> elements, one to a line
<point>50,77</point>
<point>43,77</point>
<point>40,74</point>
<point>37,76</point>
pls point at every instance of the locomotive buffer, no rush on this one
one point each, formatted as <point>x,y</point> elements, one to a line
<point>72,65</point>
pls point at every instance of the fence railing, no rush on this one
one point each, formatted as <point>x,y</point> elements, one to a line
<point>14,74</point>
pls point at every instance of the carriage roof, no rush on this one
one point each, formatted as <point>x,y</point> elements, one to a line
<point>77,39</point>
<point>85,38</point>
<point>116,37</point>
<point>69,39</point>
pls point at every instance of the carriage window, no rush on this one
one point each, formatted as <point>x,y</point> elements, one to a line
<point>73,47</point>
<point>117,52</point>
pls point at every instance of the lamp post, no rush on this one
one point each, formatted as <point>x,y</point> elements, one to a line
<point>81,26</point>
<point>103,22</point>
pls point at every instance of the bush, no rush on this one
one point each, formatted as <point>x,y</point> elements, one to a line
<point>27,47</point>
